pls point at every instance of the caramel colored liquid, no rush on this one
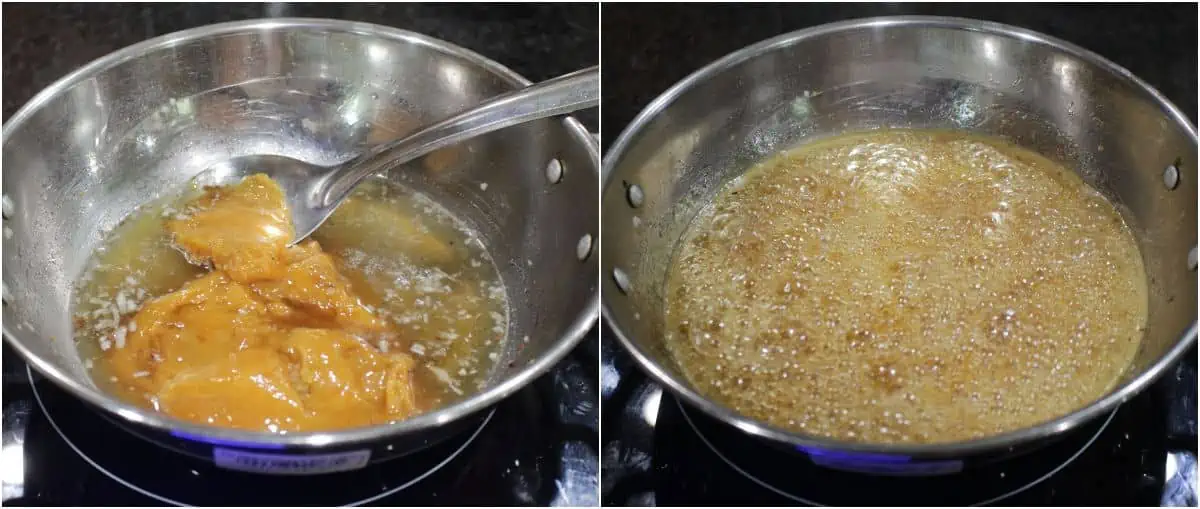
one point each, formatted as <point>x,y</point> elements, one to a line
<point>392,309</point>
<point>906,286</point>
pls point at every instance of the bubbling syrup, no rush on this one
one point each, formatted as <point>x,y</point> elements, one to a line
<point>906,286</point>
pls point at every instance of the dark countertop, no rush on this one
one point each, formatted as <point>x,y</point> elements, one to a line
<point>43,42</point>
<point>649,47</point>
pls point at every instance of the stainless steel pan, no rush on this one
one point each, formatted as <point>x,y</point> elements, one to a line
<point>141,122</point>
<point>1045,94</point>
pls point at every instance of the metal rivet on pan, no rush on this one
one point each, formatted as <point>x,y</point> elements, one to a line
<point>1171,177</point>
<point>584,248</point>
<point>8,207</point>
<point>635,195</point>
<point>622,280</point>
<point>554,171</point>
<point>1192,259</point>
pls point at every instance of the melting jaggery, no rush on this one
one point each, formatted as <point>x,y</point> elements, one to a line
<point>270,338</point>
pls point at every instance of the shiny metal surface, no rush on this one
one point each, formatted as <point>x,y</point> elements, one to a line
<point>1048,95</point>
<point>12,449</point>
<point>141,122</point>
<point>1180,485</point>
<point>314,191</point>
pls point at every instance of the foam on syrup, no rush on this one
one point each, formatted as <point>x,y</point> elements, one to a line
<point>906,286</point>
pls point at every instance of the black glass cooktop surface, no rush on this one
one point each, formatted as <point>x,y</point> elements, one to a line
<point>658,451</point>
<point>537,448</point>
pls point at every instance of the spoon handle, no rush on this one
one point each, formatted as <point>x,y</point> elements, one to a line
<point>564,94</point>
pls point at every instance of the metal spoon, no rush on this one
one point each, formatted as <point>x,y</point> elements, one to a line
<point>313,191</point>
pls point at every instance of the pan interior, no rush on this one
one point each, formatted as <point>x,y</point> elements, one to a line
<point>906,286</point>
<point>422,297</point>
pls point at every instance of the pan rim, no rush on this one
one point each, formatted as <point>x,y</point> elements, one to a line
<point>586,318</point>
